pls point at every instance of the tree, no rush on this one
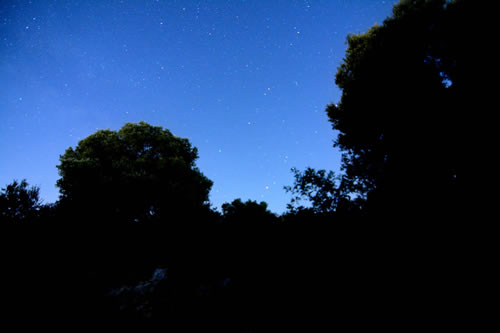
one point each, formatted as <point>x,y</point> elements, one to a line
<point>403,85</point>
<point>139,173</point>
<point>248,213</point>
<point>131,201</point>
<point>325,192</point>
<point>19,202</point>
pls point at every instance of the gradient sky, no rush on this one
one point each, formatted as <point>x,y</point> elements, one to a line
<point>246,82</point>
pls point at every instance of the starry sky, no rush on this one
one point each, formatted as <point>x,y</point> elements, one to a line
<point>247,82</point>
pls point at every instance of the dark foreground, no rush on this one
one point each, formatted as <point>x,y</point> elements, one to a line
<point>229,280</point>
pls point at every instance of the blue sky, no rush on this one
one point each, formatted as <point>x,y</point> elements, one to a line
<point>246,82</point>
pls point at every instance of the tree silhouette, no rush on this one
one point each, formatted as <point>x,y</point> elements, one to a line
<point>131,201</point>
<point>19,202</point>
<point>247,213</point>
<point>137,174</point>
<point>402,85</point>
<point>325,192</point>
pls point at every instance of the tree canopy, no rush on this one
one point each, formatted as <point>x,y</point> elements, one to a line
<point>324,191</point>
<point>19,202</point>
<point>402,85</point>
<point>248,213</point>
<point>138,173</point>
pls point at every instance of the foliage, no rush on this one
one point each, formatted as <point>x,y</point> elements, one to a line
<point>138,173</point>
<point>248,212</point>
<point>19,202</point>
<point>402,84</point>
<point>325,192</point>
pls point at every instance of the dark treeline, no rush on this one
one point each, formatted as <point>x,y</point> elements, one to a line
<point>243,269</point>
<point>133,240</point>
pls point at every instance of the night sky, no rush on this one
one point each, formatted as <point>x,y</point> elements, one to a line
<point>246,82</point>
